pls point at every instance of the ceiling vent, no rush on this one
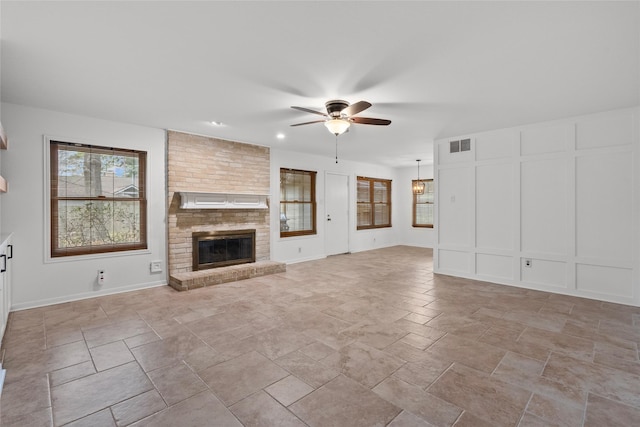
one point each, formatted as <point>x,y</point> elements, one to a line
<point>461,145</point>
<point>454,146</point>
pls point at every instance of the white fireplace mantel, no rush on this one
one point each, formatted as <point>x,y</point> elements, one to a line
<point>192,200</point>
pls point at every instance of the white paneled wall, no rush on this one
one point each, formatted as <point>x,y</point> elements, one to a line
<point>552,206</point>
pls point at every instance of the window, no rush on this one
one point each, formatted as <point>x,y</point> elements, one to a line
<point>297,202</point>
<point>98,199</point>
<point>374,203</point>
<point>423,205</point>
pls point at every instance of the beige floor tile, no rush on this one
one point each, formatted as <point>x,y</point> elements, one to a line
<point>203,358</point>
<point>617,363</point>
<point>288,390</point>
<point>308,370</point>
<point>406,352</point>
<point>28,395</point>
<point>344,402</point>
<point>99,419</point>
<point>602,380</point>
<point>71,373</point>
<point>66,355</point>
<point>377,335</point>
<point>422,373</point>
<point>64,336</point>
<point>407,419</point>
<point>115,332</point>
<point>547,321</point>
<point>469,420</point>
<point>200,410</point>
<point>317,350</point>
<point>63,318</point>
<point>109,355</point>
<point>176,383</point>
<point>39,418</point>
<point>260,409</point>
<point>137,408</point>
<point>417,341</point>
<point>414,399</point>
<point>166,352</point>
<point>530,420</point>
<point>553,411</point>
<point>277,342</point>
<point>481,395</point>
<point>605,412</point>
<point>79,398</point>
<point>507,339</point>
<point>362,363</point>
<point>341,314</point>
<point>138,340</point>
<point>237,378</point>
<point>450,323</point>
<point>526,373</point>
<point>474,354</point>
<point>417,318</point>
<point>573,346</point>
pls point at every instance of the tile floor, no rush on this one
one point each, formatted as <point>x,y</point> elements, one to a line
<point>367,339</point>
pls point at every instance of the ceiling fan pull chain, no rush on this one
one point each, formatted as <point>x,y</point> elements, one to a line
<point>336,149</point>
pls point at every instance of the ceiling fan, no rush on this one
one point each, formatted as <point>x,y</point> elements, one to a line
<point>340,114</point>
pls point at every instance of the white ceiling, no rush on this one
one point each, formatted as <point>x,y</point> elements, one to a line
<point>436,69</point>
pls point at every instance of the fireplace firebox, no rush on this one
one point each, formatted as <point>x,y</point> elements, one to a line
<point>213,249</point>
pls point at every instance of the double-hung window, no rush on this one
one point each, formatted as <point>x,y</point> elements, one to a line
<point>374,203</point>
<point>423,205</point>
<point>98,199</point>
<point>297,202</point>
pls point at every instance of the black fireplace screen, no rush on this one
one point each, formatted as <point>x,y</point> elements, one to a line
<point>222,248</point>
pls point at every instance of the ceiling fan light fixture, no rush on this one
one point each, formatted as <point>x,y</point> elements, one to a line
<point>337,126</point>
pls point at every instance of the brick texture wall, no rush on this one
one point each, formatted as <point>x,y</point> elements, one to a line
<point>201,164</point>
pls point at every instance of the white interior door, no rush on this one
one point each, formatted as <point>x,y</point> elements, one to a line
<point>337,213</point>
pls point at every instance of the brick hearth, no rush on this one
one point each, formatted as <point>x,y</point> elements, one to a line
<point>232,273</point>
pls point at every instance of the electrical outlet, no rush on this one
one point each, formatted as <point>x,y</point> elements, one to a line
<point>101,278</point>
<point>299,250</point>
<point>155,266</point>
<point>527,263</point>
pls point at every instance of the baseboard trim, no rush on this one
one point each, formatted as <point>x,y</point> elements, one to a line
<point>84,295</point>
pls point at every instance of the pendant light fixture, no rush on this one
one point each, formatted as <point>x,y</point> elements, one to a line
<point>418,186</point>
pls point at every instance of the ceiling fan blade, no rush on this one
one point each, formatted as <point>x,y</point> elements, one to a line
<point>308,123</point>
<point>306,110</point>
<point>370,121</point>
<point>355,108</point>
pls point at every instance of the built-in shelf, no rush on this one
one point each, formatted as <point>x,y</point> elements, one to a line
<point>192,200</point>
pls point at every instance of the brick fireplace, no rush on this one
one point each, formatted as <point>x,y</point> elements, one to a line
<point>198,164</point>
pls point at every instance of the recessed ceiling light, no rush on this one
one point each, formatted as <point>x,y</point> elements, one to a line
<point>280,136</point>
<point>215,123</point>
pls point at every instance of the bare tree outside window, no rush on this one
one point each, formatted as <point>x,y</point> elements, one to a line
<point>98,199</point>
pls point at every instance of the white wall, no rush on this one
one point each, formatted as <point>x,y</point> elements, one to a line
<point>304,248</point>
<point>36,282</point>
<point>407,234</point>
<point>563,194</point>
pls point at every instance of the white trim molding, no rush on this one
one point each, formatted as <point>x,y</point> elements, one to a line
<point>192,200</point>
